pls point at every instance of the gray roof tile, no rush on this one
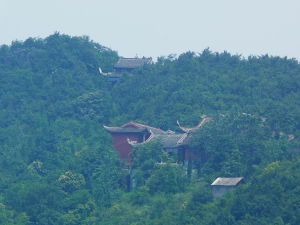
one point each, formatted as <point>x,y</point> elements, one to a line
<point>131,63</point>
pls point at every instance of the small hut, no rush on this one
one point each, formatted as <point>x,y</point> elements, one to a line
<point>224,184</point>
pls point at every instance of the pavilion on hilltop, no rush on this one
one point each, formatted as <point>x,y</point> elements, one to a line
<point>123,66</point>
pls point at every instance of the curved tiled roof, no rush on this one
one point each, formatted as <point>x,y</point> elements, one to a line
<point>140,125</point>
<point>133,127</point>
<point>204,120</point>
<point>168,140</point>
<point>131,63</point>
<point>125,130</point>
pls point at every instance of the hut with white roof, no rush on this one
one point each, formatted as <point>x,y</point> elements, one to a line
<point>224,184</point>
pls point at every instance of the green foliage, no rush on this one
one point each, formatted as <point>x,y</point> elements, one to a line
<point>271,197</point>
<point>58,166</point>
<point>211,83</point>
<point>167,178</point>
<point>52,143</point>
<point>145,157</point>
<point>235,143</point>
<point>9,217</point>
<point>70,181</point>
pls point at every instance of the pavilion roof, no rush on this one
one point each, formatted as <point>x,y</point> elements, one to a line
<point>134,127</point>
<point>132,63</point>
<point>168,139</point>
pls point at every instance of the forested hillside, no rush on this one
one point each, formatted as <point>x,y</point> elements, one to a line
<point>58,166</point>
<point>213,83</point>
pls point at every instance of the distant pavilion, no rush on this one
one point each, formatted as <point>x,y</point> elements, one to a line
<point>125,65</point>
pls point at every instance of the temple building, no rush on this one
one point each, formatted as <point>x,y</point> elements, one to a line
<point>132,134</point>
<point>125,65</point>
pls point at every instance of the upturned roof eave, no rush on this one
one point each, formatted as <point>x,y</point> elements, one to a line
<point>124,130</point>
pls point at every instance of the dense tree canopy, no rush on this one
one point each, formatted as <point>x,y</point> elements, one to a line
<point>58,166</point>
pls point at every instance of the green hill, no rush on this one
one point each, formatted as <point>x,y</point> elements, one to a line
<point>57,164</point>
<point>212,83</point>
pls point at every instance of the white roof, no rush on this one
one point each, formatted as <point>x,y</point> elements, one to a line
<point>227,181</point>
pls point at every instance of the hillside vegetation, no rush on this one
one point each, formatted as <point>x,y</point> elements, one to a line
<point>58,166</point>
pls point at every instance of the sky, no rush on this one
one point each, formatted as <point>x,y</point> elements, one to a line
<point>155,28</point>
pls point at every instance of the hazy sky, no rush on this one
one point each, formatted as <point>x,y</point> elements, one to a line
<point>161,27</point>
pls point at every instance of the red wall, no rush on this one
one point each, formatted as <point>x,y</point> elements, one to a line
<point>124,149</point>
<point>121,144</point>
<point>195,155</point>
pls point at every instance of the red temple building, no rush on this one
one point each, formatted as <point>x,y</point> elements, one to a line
<point>131,134</point>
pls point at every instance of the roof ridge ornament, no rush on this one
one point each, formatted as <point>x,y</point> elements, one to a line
<point>181,140</point>
<point>104,74</point>
<point>204,120</point>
